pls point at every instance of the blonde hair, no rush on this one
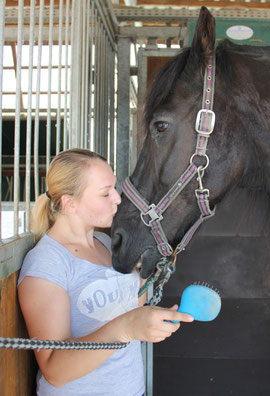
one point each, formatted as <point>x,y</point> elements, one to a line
<point>65,176</point>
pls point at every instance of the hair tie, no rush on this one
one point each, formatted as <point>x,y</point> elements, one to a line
<point>48,195</point>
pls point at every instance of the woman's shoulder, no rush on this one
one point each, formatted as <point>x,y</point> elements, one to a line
<point>46,248</point>
<point>48,260</point>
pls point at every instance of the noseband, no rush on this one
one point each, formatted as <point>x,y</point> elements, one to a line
<point>151,214</point>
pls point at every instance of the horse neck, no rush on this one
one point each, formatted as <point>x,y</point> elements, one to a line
<point>257,173</point>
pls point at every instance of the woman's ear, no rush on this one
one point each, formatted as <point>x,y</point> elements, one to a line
<point>68,203</point>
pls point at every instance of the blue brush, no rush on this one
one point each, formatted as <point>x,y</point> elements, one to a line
<point>200,301</point>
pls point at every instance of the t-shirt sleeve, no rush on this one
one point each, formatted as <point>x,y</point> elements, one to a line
<point>46,262</point>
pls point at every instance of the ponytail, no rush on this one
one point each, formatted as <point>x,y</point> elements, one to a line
<point>42,216</point>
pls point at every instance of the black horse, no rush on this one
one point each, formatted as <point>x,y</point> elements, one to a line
<point>238,149</point>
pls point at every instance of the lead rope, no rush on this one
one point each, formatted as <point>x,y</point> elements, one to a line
<point>32,343</point>
<point>27,343</point>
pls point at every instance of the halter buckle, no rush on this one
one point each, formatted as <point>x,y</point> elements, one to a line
<point>151,213</point>
<point>202,113</point>
<point>203,191</point>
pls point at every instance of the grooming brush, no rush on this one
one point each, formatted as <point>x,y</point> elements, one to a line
<point>201,301</point>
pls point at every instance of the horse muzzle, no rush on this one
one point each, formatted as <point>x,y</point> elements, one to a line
<point>127,254</point>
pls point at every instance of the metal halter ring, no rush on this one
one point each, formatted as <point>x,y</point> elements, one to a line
<point>202,168</point>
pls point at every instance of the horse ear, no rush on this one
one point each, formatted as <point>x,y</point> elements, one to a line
<point>205,34</point>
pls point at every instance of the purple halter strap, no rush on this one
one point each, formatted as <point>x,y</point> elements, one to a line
<point>151,214</point>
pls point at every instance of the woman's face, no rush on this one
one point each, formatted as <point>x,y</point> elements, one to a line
<point>98,203</point>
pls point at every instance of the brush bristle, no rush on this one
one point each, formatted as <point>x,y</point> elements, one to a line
<point>205,284</point>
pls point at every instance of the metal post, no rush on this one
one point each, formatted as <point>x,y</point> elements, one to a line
<point>65,132</point>
<point>91,60</point>
<point>112,105</point>
<point>71,74</point>
<point>17,121</point>
<point>48,135</point>
<point>75,108</point>
<point>60,42</point>
<point>83,71</point>
<point>2,24</point>
<point>29,118</point>
<point>36,134</point>
<point>123,113</point>
<point>87,74</point>
<point>96,85</point>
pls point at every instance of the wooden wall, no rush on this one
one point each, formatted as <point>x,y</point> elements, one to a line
<point>17,367</point>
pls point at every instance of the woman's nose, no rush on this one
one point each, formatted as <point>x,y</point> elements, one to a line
<point>117,197</point>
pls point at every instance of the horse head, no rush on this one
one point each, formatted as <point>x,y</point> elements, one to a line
<point>170,111</point>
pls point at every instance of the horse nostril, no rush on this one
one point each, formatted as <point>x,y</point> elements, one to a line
<point>116,241</point>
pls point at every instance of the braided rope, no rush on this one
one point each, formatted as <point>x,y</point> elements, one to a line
<point>25,343</point>
<point>147,284</point>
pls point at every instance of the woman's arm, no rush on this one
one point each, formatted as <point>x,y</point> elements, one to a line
<point>46,310</point>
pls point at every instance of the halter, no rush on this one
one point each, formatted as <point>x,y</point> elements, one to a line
<point>151,214</point>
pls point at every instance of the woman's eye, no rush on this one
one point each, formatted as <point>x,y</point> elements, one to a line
<point>161,126</point>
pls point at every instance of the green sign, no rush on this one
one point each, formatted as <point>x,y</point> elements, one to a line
<point>240,31</point>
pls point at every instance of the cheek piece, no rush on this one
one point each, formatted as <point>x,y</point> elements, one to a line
<point>201,301</point>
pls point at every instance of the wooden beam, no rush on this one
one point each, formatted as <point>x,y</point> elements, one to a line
<point>208,3</point>
<point>14,3</point>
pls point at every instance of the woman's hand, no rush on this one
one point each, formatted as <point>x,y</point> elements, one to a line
<point>151,324</point>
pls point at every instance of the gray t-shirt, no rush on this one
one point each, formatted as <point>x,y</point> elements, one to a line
<point>97,295</point>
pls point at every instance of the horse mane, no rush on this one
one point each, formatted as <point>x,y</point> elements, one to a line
<point>163,84</point>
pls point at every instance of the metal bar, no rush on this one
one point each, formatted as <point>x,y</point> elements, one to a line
<point>91,60</point>
<point>36,131</point>
<point>97,86</point>
<point>29,118</point>
<point>101,95</point>
<point>71,74</point>
<point>83,71</point>
<point>48,135</point>
<point>123,109</point>
<point>17,121</point>
<point>76,76</point>
<point>148,32</point>
<point>10,34</point>
<point>109,30</point>
<point>112,107</point>
<point>95,118</point>
<point>2,24</point>
<point>60,42</point>
<point>106,83</point>
<point>87,72</point>
<point>65,132</point>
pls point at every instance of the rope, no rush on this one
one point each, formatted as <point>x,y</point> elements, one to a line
<point>26,343</point>
<point>152,279</point>
<point>164,270</point>
<point>31,343</point>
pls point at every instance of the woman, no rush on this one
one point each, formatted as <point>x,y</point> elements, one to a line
<point>68,289</point>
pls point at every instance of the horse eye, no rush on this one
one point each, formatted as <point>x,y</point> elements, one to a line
<point>161,126</point>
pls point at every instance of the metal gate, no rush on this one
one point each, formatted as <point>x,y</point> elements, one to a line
<point>58,67</point>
